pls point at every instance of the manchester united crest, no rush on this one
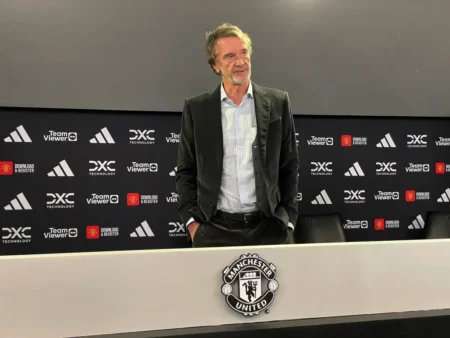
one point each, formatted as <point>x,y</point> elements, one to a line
<point>249,285</point>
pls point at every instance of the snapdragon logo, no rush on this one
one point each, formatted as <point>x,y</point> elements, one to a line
<point>320,141</point>
<point>60,136</point>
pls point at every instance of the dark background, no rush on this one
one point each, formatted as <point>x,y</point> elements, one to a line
<point>45,155</point>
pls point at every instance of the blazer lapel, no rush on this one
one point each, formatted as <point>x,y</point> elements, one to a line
<point>212,127</point>
<point>262,111</point>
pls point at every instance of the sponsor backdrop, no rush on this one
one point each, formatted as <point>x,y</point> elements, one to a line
<point>74,181</point>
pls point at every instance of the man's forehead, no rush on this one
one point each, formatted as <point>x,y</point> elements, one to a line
<point>230,43</point>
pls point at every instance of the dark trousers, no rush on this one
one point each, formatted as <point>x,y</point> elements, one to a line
<point>225,232</point>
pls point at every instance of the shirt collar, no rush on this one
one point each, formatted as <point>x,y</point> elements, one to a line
<point>224,95</point>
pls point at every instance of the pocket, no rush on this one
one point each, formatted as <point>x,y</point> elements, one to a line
<point>201,230</point>
<point>197,232</point>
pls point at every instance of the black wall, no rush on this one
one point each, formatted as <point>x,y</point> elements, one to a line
<point>34,161</point>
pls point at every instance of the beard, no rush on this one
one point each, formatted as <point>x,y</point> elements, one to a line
<point>240,80</point>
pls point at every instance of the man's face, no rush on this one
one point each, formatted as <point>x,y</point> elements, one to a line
<point>233,60</point>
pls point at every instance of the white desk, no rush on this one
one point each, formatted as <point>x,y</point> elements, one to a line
<point>100,293</point>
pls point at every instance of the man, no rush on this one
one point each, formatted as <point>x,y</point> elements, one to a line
<point>237,166</point>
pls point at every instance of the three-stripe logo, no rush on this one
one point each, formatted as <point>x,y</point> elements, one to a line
<point>102,137</point>
<point>322,198</point>
<point>355,170</point>
<point>61,170</point>
<point>418,223</point>
<point>445,196</point>
<point>386,142</point>
<point>19,203</point>
<point>143,230</point>
<point>18,135</point>
<point>173,172</point>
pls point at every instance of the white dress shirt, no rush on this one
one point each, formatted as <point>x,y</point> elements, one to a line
<point>238,189</point>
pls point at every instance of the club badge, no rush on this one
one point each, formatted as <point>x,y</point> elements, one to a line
<point>254,280</point>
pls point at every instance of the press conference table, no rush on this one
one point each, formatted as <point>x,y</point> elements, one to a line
<point>388,289</point>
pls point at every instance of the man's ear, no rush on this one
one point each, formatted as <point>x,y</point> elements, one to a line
<point>216,70</point>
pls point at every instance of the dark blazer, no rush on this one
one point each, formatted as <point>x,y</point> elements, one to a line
<point>200,155</point>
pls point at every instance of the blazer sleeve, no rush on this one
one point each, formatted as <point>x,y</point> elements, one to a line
<point>289,163</point>
<point>186,173</point>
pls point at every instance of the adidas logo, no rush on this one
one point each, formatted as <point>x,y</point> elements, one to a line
<point>143,231</point>
<point>18,135</point>
<point>418,223</point>
<point>15,205</point>
<point>61,170</point>
<point>173,172</point>
<point>102,137</point>
<point>355,170</point>
<point>445,197</point>
<point>386,142</point>
<point>322,198</point>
